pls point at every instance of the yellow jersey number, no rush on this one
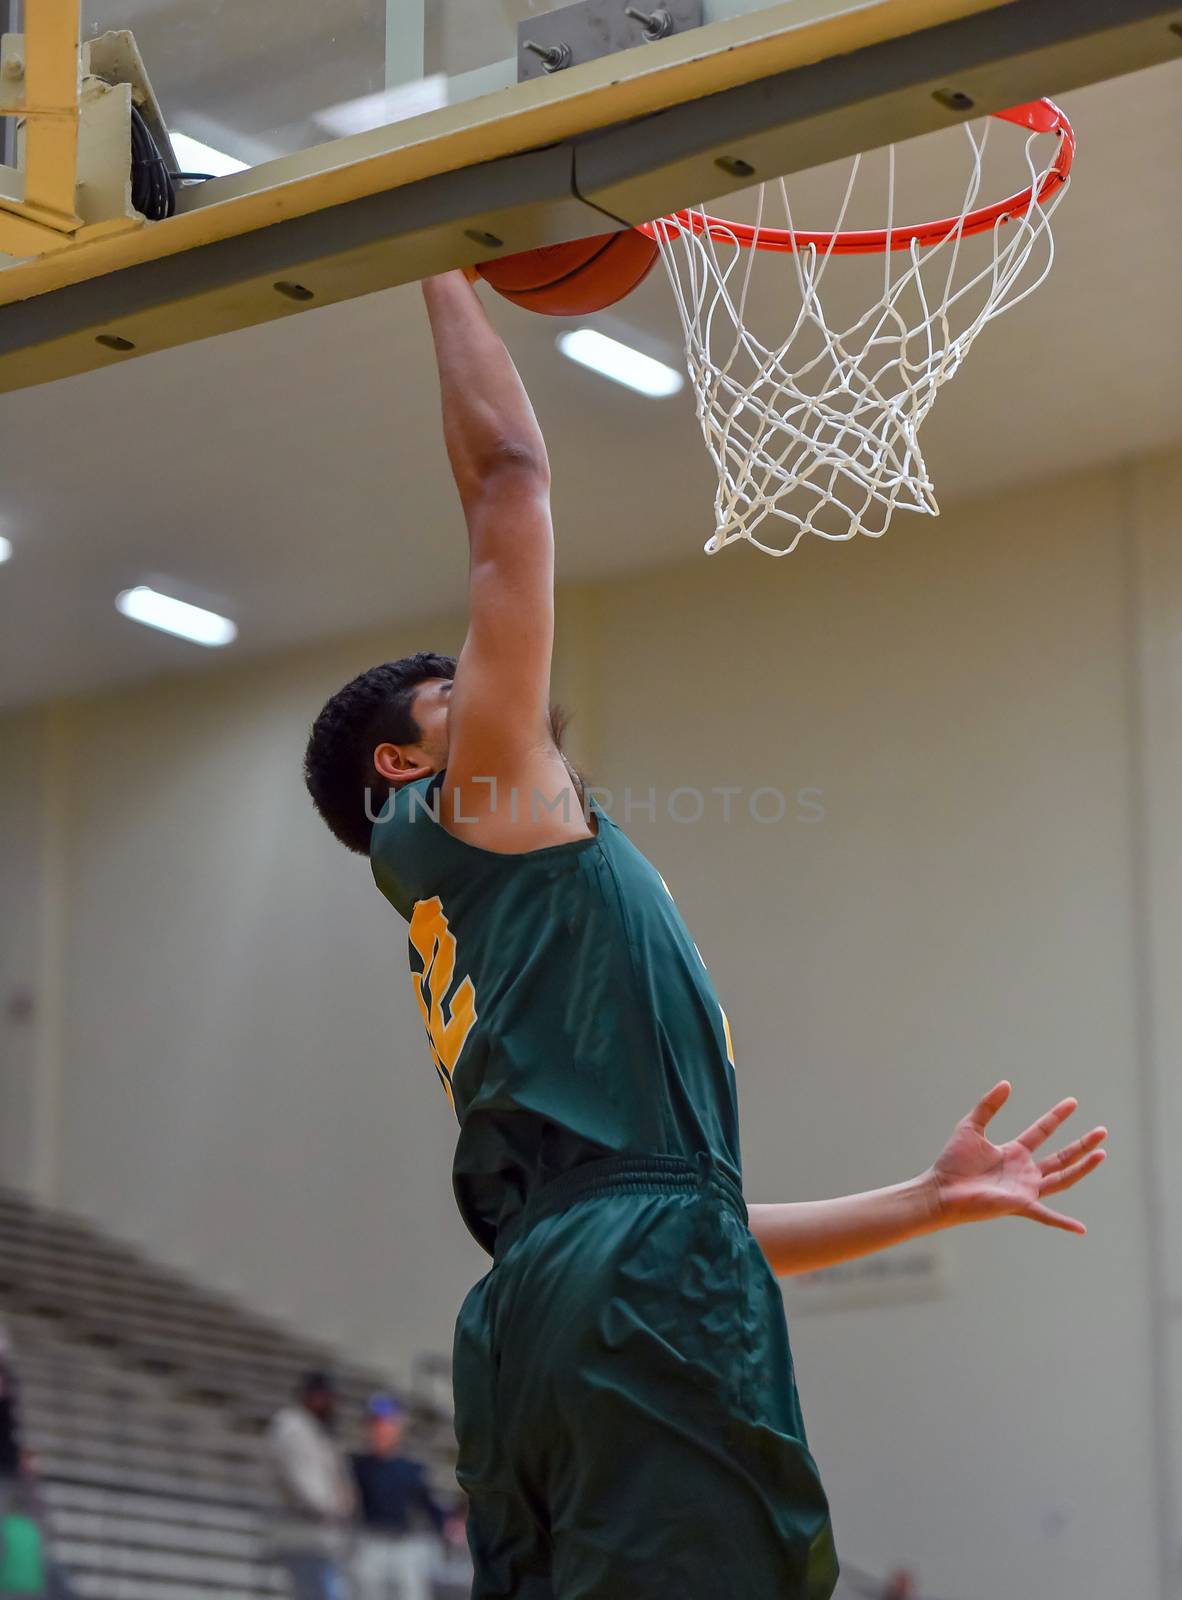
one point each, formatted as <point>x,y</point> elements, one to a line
<point>448,1024</point>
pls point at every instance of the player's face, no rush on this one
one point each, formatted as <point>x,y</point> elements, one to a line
<point>430,712</point>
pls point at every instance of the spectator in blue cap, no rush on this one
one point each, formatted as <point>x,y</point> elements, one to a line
<point>402,1520</point>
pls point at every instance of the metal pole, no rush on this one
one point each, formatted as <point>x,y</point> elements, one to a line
<point>405,43</point>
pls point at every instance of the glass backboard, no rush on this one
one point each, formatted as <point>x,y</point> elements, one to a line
<point>261,80</point>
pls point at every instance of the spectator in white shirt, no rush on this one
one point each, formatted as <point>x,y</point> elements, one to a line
<point>316,1485</point>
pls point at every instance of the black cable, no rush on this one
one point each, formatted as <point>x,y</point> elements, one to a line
<point>152,189</point>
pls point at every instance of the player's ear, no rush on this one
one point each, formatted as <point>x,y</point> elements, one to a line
<point>398,763</point>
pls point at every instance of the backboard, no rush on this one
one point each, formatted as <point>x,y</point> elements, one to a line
<point>366,143</point>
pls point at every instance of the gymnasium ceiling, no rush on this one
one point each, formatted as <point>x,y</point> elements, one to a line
<point>292,475</point>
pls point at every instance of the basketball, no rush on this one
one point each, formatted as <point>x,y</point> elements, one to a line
<point>570,280</point>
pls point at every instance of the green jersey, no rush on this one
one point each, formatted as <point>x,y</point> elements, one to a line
<point>568,1011</point>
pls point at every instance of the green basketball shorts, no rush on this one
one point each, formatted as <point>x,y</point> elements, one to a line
<point>626,1410</point>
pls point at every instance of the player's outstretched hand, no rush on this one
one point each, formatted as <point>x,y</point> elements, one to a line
<point>974,1179</point>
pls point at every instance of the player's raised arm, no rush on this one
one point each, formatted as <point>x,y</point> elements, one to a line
<point>503,769</point>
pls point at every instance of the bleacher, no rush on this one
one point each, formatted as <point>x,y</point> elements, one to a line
<point>145,1399</point>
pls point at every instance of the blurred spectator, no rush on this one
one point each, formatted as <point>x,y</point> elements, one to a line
<point>315,1483</point>
<point>396,1552</point>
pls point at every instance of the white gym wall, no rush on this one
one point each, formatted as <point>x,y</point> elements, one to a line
<point>225,1063</point>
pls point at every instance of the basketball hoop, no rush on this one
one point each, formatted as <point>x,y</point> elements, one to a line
<point>821,428</point>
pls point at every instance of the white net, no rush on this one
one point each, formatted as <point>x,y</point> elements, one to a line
<point>818,429</point>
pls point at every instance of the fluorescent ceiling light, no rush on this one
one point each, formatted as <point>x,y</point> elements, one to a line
<point>175,616</point>
<point>194,156</point>
<point>619,362</point>
<point>5,549</point>
<point>385,106</point>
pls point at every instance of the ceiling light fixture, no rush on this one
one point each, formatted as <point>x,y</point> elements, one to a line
<point>385,106</point>
<point>620,362</point>
<point>175,616</point>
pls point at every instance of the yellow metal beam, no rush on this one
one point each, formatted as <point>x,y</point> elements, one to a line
<point>23,238</point>
<point>52,84</point>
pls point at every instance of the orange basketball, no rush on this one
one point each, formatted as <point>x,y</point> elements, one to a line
<point>569,280</point>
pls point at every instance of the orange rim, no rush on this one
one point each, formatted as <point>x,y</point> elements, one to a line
<point>1040,116</point>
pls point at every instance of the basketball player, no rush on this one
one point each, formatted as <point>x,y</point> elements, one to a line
<point>626,1409</point>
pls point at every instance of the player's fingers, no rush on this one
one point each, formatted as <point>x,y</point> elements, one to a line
<point>1071,1153</point>
<point>1070,1176</point>
<point>1037,1212</point>
<point>1039,1132</point>
<point>987,1108</point>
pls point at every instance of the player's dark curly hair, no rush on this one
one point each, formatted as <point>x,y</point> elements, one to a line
<point>373,709</point>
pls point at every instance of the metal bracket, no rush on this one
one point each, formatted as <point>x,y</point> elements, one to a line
<point>594,28</point>
<point>115,57</point>
<point>12,72</point>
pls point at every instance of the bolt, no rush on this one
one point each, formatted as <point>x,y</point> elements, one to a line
<point>735,166</point>
<point>14,67</point>
<point>656,24</point>
<point>553,57</point>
